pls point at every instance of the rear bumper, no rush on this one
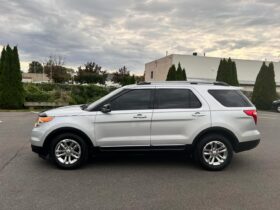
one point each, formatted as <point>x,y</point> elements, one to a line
<point>40,151</point>
<point>247,145</point>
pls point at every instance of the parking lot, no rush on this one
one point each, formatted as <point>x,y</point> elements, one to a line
<point>252,181</point>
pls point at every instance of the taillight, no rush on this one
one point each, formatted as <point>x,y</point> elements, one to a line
<point>253,113</point>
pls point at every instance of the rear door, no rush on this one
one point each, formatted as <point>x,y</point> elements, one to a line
<point>231,109</point>
<point>179,115</point>
<point>128,123</point>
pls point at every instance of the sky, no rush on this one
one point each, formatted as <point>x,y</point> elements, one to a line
<point>114,33</point>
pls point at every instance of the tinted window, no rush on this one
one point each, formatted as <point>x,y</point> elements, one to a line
<point>134,99</point>
<point>231,98</point>
<point>176,99</point>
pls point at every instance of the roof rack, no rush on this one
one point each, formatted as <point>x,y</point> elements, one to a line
<point>185,82</point>
<point>143,83</point>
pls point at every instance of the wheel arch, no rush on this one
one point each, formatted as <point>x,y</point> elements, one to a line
<point>217,130</point>
<point>62,130</point>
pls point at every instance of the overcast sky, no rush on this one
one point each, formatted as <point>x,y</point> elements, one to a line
<point>114,33</point>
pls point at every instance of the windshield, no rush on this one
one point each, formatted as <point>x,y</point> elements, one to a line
<point>92,105</point>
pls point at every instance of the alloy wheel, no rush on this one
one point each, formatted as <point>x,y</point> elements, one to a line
<point>68,151</point>
<point>215,153</point>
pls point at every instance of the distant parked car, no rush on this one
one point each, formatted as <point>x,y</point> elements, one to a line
<point>276,105</point>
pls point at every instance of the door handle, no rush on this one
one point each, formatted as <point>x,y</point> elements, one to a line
<point>139,116</point>
<point>198,114</point>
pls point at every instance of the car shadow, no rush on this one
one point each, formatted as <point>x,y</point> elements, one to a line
<point>145,159</point>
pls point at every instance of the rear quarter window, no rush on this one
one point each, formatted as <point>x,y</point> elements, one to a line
<point>231,98</point>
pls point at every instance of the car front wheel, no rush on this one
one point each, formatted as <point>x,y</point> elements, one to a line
<point>68,151</point>
<point>214,152</point>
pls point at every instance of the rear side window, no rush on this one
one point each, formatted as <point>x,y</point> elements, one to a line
<point>176,99</point>
<point>231,98</point>
<point>133,100</point>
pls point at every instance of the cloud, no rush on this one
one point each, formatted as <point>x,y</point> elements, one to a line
<point>130,32</point>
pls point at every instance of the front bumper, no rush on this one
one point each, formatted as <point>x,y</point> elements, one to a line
<point>247,145</point>
<point>41,151</point>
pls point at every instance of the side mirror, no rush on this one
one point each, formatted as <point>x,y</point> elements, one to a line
<point>106,108</point>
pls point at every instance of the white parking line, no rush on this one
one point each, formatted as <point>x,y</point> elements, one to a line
<point>35,112</point>
<point>1,121</point>
<point>270,115</point>
<point>272,118</point>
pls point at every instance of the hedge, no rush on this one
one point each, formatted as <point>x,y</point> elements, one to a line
<point>72,94</point>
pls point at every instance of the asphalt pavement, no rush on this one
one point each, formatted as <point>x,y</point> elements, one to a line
<point>151,181</point>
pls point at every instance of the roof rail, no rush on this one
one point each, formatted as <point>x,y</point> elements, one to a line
<point>143,83</point>
<point>221,83</point>
<point>193,82</point>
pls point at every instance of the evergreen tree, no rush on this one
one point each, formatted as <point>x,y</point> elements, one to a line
<point>19,91</point>
<point>272,84</point>
<point>176,75</point>
<point>179,72</point>
<point>2,58</point>
<point>171,76</point>
<point>219,72</point>
<point>234,75</point>
<point>227,72</point>
<point>12,93</point>
<point>265,87</point>
<point>184,75</point>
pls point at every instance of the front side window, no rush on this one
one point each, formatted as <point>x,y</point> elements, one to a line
<point>133,100</point>
<point>176,99</point>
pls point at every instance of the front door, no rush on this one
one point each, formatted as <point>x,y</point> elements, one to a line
<point>129,121</point>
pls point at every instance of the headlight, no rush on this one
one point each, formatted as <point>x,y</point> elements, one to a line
<point>43,120</point>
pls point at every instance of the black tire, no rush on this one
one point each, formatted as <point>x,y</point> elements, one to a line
<point>82,149</point>
<point>210,140</point>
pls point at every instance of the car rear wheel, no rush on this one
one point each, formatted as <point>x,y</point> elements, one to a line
<point>214,152</point>
<point>68,151</point>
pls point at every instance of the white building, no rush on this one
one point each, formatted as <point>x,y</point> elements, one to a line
<point>35,78</point>
<point>201,67</point>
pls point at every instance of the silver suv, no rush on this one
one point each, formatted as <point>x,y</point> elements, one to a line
<point>210,121</point>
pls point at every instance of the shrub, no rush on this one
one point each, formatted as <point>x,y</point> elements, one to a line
<point>72,94</point>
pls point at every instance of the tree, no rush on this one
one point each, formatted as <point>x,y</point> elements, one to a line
<point>122,76</point>
<point>227,72</point>
<point>56,71</point>
<point>184,75</point>
<point>171,75</point>
<point>265,87</point>
<point>2,60</point>
<point>35,67</point>
<point>179,72</point>
<point>176,75</point>
<point>2,63</point>
<point>12,93</point>
<point>91,73</point>
<point>220,74</point>
<point>272,84</point>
